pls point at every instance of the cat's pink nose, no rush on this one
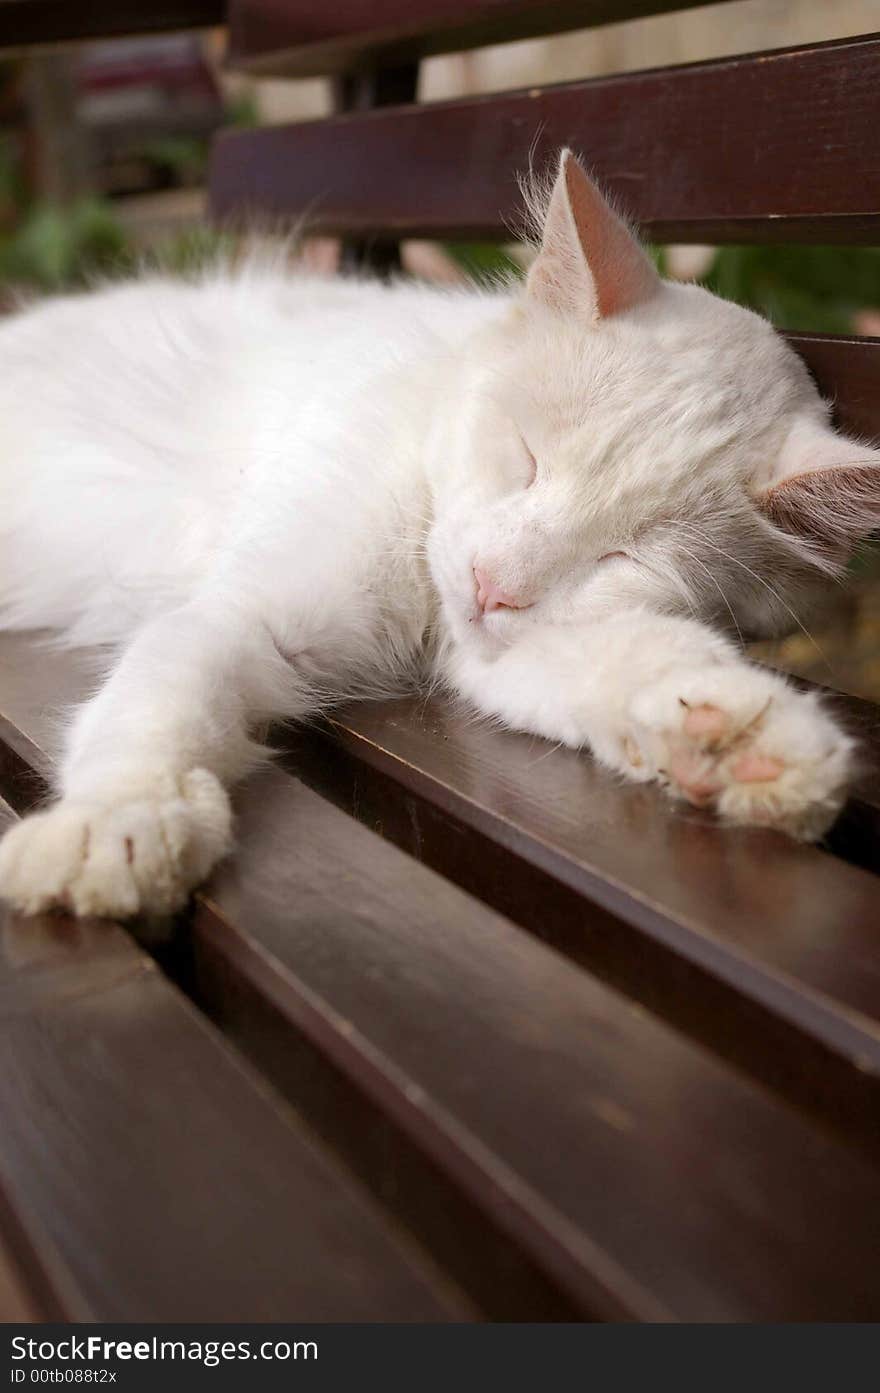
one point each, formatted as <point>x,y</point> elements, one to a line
<point>490,596</point>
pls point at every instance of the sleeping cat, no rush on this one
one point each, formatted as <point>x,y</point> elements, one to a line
<point>266,493</point>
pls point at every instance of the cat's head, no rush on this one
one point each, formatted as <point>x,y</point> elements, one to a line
<point>613,438</point>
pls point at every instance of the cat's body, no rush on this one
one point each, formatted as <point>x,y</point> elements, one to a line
<point>172,420</point>
<point>268,493</point>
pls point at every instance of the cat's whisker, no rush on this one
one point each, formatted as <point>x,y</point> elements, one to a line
<point>669,575</point>
<point>767,586</point>
<point>720,590</point>
<point>545,754</point>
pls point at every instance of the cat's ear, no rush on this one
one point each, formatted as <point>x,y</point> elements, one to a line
<point>589,263</point>
<point>823,487</point>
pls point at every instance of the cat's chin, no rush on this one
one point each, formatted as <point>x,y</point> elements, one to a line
<point>474,631</point>
<point>487,635</point>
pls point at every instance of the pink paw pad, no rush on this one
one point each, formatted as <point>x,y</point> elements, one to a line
<point>698,784</point>
<point>705,721</point>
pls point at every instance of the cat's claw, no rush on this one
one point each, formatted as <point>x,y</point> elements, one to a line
<point>740,740</point>
<point>117,858</point>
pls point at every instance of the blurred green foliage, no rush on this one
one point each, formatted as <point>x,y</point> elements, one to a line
<point>185,157</point>
<point>242,109</point>
<point>185,252</point>
<point>796,287</point>
<point>54,248</point>
<point>483,261</point>
<point>48,248</point>
<point>57,249</point>
<point>808,288</point>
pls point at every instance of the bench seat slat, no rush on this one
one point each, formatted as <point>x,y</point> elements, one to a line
<point>559,809</point>
<point>734,150</point>
<point>145,1174</point>
<point>16,1301</point>
<point>646,1176</point>
<point>309,38</point>
<point>767,950</point>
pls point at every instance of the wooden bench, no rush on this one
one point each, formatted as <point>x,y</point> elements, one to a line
<point>466,1030</point>
<point>25,24</point>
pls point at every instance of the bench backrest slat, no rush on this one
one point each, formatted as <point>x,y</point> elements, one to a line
<point>24,23</point>
<point>310,37</point>
<point>847,372</point>
<point>738,150</point>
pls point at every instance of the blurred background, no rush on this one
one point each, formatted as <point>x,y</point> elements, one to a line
<point>103,152</point>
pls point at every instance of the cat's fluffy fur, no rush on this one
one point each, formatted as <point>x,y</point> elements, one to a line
<point>267,492</point>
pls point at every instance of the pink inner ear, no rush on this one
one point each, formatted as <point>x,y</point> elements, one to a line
<point>822,487</point>
<point>835,507</point>
<point>622,273</point>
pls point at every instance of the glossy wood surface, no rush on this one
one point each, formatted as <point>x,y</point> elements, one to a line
<point>646,1178</point>
<point>767,950</point>
<point>779,146</point>
<point>146,1172</point>
<point>561,1150</point>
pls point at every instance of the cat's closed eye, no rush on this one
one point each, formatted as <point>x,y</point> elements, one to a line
<point>531,463</point>
<point>612,555</point>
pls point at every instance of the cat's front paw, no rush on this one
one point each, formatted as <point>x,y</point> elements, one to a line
<point>740,740</point>
<point>117,858</point>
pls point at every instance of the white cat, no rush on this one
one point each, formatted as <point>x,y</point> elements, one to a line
<point>267,493</point>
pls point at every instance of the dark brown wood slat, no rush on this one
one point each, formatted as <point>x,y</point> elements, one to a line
<point>18,1301</point>
<point>24,23</point>
<point>38,685</point>
<point>309,38</point>
<point>856,835</point>
<point>562,804</point>
<point>847,371</point>
<point>146,1174</point>
<point>777,146</point>
<point>767,950</point>
<point>643,1175</point>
